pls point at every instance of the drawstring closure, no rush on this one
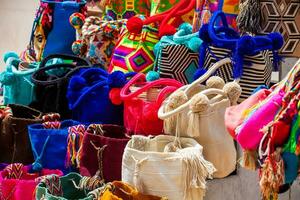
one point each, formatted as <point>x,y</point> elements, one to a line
<point>100,151</point>
<point>137,182</point>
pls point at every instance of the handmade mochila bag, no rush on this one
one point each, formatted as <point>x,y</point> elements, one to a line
<point>177,56</point>
<point>191,112</point>
<point>49,144</point>
<point>140,114</point>
<point>98,39</point>
<point>253,57</point>
<point>102,151</point>
<point>16,80</point>
<point>71,186</point>
<point>134,49</point>
<point>51,84</point>
<point>15,144</point>
<point>51,31</point>
<point>124,191</point>
<point>96,87</point>
<point>235,115</point>
<point>17,183</point>
<point>177,163</point>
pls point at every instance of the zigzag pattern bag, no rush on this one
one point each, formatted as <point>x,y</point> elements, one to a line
<point>253,57</point>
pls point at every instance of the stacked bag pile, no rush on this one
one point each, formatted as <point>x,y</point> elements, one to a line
<point>142,103</point>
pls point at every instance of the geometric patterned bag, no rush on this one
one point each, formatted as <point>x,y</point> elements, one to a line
<point>253,58</point>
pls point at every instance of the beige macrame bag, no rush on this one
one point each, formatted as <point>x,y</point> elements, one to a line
<point>166,166</point>
<point>199,113</point>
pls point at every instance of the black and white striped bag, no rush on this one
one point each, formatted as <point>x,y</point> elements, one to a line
<point>253,57</point>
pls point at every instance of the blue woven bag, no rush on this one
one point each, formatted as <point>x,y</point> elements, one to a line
<point>49,146</point>
<point>93,96</point>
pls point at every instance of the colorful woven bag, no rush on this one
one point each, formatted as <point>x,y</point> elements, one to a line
<point>16,80</point>
<point>140,114</point>
<point>51,84</point>
<point>134,49</point>
<point>51,30</point>
<point>253,57</point>
<point>93,96</point>
<point>177,56</point>
<point>15,144</point>
<point>49,143</point>
<point>71,186</point>
<point>102,151</point>
<point>17,183</point>
<point>99,37</point>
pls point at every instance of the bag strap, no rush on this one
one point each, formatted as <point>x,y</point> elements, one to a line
<point>125,95</point>
<point>163,93</point>
<point>209,72</point>
<point>164,115</point>
<point>79,61</point>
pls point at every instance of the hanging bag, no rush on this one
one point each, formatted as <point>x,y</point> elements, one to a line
<point>51,84</point>
<point>140,115</point>
<point>49,144</point>
<point>16,183</point>
<point>134,49</point>
<point>181,172</point>
<point>71,186</point>
<point>192,111</point>
<point>253,57</point>
<point>102,151</point>
<point>92,94</point>
<point>15,144</point>
<point>52,32</point>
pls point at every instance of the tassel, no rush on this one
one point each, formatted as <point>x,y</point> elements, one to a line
<point>249,18</point>
<point>272,176</point>
<point>249,160</point>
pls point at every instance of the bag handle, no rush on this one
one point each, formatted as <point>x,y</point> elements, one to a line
<point>208,73</point>
<point>164,115</point>
<point>163,93</point>
<point>163,81</point>
<point>79,61</point>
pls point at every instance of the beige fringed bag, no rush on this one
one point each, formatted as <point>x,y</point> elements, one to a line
<point>200,115</point>
<point>166,166</point>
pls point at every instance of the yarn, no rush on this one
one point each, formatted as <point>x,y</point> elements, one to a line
<point>249,160</point>
<point>114,96</point>
<point>77,20</point>
<point>37,166</point>
<point>215,82</point>
<point>77,46</point>
<point>277,40</point>
<point>135,25</point>
<point>194,44</point>
<point>199,103</point>
<point>233,91</point>
<point>203,34</point>
<point>116,79</point>
<point>7,78</point>
<point>166,30</point>
<point>152,76</point>
<point>188,29</point>
<point>10,54</point>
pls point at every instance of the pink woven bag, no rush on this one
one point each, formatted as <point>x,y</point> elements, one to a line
<point>140,114</point>
<point>16,183</point>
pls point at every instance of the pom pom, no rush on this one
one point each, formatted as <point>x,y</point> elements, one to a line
<point>233,91</point>
<point>135,25</point>
<point>37,166</point>
<point>199,103</point>
<point>215,82</point>
<point>166,30</point>
<point>200,72</point>
<point>176,99</point>
<point>114,96</point>
<point>152,76</point>
<point>116,79</point>
<point>76,47</point>
<point>277,40</point>
<point>7,78</point>
<point>245,45</point>
<point>203,33</point>
<point>77,83</point>
<point>194,44</point>
<point>10,54</point>
<point>77,20</point>
<point>188,29</point>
